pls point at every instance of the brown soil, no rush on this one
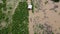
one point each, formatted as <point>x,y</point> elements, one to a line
<point>46,14</point>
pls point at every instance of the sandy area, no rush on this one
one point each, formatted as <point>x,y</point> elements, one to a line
<point>48,14</point>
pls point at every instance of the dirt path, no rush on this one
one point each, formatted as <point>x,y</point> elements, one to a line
<point>31,31</point>
<point>30,19</point>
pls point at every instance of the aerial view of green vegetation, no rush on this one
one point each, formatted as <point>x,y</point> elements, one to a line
<point>16,23</point>
<point>20,19</point>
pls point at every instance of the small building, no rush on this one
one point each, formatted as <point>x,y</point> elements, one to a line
<point>30,7</point>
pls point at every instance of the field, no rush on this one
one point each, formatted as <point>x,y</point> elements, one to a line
<point>16,18</point>
<point>20,19</point>
<point>15,21</point>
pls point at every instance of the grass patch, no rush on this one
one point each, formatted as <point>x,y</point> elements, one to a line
<point>21,15</point>
<point>19,24</point>
<point>1,5</point>
<point>2,15</point>
<point>4,5</point>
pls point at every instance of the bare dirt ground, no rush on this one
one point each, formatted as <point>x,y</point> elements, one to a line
<point>30,19</point>
<point>46,13</point>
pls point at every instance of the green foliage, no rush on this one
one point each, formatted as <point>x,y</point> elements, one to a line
<point>4,1</point>
<point>32,6</point>
<point>10,7</point>
<point>52,33</point>
<point>7,19</point>
<point>4,5</point>
<point>17,26</point>
<point>4,31</point>
<point>1,5</point>
<point>2,15</point>
<point>35,33</point>
<point>55,0</point>
<point>21,14</point>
